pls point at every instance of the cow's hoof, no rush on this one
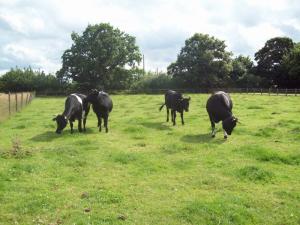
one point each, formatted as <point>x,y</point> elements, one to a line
<point>225,137</point>
<point>213,135</point>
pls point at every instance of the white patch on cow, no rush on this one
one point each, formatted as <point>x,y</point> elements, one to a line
<point>78,98</point>
<point>225,134</point>
<point>226,99</point>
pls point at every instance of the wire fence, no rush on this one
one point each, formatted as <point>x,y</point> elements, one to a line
<point>252,91</point>
<point>13,102</point>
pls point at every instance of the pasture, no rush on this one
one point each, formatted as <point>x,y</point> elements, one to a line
<point>145,171</point>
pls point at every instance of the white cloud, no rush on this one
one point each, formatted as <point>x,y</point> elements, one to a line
<point>36,33</point>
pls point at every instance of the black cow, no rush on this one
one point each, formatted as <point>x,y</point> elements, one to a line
<point>74,110</point>
<point>176,102</point>
<point>102,106</point>
<point>219,107</point>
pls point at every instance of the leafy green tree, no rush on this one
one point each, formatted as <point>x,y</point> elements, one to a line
<point>17,80</point>
<point>241,74</point>
<point>241,65</point>
<point>291,64</point>
<point>97,55</point>
<point>270,60</point>
<point>202,62</point>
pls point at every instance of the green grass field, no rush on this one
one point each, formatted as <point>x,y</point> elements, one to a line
<point>145,171</point>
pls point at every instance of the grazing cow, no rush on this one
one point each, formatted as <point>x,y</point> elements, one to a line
<point>175,102</point>
<point>102,106</point>
<point>74,109</point>
<point>219,107</point>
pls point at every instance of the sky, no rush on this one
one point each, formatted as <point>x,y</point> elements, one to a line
<point>36,32</point>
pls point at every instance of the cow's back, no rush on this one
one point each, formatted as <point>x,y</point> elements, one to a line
<point>219,106</point>
<point>172,99</point>
<point>104,102</point>
<point>73,105</point>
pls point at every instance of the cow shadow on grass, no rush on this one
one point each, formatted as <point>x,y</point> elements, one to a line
<point>202,138</point>
<point>51,135</point>
<point>46,136</point>
<point>155,125</point>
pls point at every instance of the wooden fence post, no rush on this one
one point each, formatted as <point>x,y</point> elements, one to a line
<point>295,91</point>
<point>16,97</point>
<point>269,91</point>
<point>261,91</point>
<point>286,92</point>
<point>9,104</point>
<point>21,100</point>
<point>277,91</point>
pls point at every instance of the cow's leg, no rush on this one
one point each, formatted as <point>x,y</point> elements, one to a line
<point>213,129</point>
<point>105,123</point>
<point>71,125</point>
<point>168,114</point>
<point>84,122</point>
<point>174,117</point>
<point>182,121</point>
<point>225,135</point>
<point>100,123</point>
<point>80,125</point>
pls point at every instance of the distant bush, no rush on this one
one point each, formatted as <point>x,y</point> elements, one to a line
<point>27,79</point>
<point>153,81</point>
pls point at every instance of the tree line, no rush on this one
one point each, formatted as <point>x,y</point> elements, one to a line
<point>104,57</point>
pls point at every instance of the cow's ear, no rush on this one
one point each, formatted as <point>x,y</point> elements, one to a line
<point>55,117</point>
<point>94,91</point>
<point>235,119</point>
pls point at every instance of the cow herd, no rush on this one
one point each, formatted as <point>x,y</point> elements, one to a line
<point>77,106</point>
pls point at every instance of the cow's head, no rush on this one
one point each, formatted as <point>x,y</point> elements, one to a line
<point>229,124</point>
<point>61,122</point>
<point>185,102</point>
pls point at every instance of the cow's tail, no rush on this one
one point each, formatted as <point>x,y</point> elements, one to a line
<point>160,108</point>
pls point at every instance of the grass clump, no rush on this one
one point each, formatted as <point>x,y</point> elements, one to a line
<point>255,174</point>
<point>266,155</point>
<point>218,211</point>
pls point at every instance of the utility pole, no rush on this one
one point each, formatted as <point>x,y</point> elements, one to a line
<point>143,64</point>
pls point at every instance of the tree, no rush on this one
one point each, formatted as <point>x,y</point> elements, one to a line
<point>28,80</point>
<point>241,74</point>
<point>18,80</point>
<point>96,55</point>
<point>291,64</point>
<point>270,58</point>
<point>202,62</point>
